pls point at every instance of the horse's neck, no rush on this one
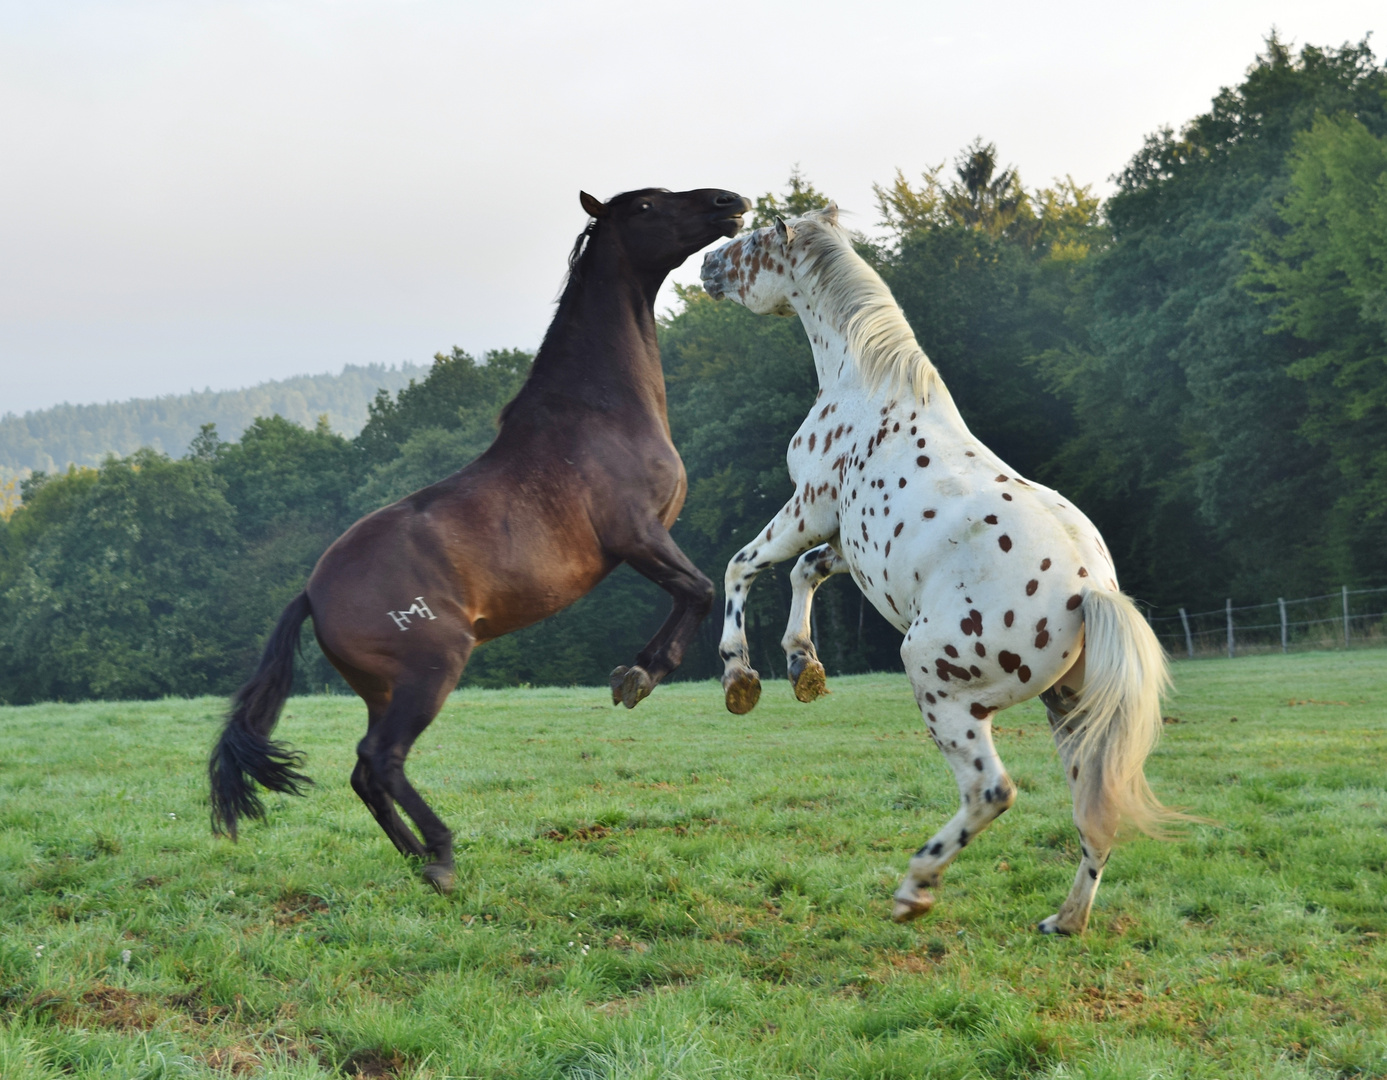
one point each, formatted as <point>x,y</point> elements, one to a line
<point>841,380</point>
<point>603,341</point>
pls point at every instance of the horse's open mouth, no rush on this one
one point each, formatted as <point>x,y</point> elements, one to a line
<point>715,285</point>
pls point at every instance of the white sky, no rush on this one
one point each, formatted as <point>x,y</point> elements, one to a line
<point>199,193</point>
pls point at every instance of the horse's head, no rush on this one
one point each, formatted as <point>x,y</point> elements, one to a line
<point>659,229</point>
<point>761,269</point>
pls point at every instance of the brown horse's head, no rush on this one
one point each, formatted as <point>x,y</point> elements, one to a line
<point>658,229</point>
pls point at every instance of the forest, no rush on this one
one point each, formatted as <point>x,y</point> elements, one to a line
<point>86,434</point>
<point>1198,361</point>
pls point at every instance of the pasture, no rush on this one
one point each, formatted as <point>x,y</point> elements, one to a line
<point>675,892</point>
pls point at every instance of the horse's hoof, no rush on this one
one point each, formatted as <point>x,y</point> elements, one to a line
<point>811,683</point>
<point>617,677</point>
<point>440,877</point>
<point>1052,925</point>
<point>908,910</point>
<point>741,690</point>
<point>636,686</point>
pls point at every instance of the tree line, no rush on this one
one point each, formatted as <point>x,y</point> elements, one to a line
<point>1198,362</point>
<point>49,439</point>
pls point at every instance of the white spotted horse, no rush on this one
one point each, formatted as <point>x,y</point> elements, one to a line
<point>1003,590</point>
<point>582,476</point>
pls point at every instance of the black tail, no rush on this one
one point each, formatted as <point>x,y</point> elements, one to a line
<point>245,752</point>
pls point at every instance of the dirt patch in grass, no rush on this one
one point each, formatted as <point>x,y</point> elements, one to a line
<point>622,1006</point>
<point>236,1060</point>
<point>372,1065</point>
<point>193,1004</point>
<point>292,908</point>
<point>583,832</point>
<point>895,964</point>
<point>112,1007</point>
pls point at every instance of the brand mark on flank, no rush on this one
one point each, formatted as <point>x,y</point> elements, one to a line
<point>417,610</point>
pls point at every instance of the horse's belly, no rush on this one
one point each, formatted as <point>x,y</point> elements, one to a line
<point>996,581</point>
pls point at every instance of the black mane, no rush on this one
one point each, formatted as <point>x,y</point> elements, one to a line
<point>579,257</point>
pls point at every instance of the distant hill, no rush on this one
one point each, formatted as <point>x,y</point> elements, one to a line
<point>51,439</point>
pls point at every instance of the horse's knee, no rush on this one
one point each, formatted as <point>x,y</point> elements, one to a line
<point>360,784</point>
<point>704,595</point>
<point>1001,796</point>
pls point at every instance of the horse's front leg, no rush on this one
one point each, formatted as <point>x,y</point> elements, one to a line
<point>799,525</point>
<point>654,555</point>
<point>806,673</point>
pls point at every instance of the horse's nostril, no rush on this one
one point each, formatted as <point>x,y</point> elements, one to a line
<point>727,199</point>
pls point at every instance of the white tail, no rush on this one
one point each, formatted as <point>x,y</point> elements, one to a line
<point>1117,720</point>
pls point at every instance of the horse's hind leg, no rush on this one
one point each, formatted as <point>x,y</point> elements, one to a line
<point>806,673</point>
<point>374,691</point>
<point>413,705</point>
<point>382,806</point>
<point>958,714</point>
<point>1097,825</point>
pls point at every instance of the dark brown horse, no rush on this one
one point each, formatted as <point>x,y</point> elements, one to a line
<point>582,476</point>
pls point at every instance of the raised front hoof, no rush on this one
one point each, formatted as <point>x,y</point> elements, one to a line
<point>909,910</point>
<point>1055,924</point>
<point>440,877</point>
<point>617,678</point>
<point>811,683</point>
<point>636,686</point>
<point>741,690</point>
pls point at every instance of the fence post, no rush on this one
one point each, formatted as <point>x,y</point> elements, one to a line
<point>1228,610</point>
<point>1281,600</point>
<point>1189,639</point>
<point>1345,616</point>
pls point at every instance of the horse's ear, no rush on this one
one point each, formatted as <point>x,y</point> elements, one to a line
<point>829,213</point>
<point>787,233</point>
<point>595,207</point>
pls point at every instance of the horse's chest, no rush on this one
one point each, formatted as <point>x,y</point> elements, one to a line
<point>821,445</point>
<point>904,513</point>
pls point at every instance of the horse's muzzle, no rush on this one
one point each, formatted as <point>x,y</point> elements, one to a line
<point>714,273</point>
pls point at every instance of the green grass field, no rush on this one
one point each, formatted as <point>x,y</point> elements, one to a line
<point>676,892</point>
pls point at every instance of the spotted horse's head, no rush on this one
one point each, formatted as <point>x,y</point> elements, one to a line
<point>762,269</point>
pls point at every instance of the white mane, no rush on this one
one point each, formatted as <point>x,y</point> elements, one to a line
<point>852,296</point>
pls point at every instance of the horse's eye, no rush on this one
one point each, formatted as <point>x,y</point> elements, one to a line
<point>642,208</point>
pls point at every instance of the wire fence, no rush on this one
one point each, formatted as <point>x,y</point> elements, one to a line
<point>1338,620</point>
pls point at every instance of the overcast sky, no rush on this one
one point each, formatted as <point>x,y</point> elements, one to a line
<point>198,193</point>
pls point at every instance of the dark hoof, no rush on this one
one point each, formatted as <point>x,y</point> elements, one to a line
<point>908,910</point>
<point>636,686</point>
<point>811,683</point>
<point>440,877</point>
<point>742,690</point>
<point>617,677</point>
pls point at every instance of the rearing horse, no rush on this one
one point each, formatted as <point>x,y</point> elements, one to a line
<point>581,477</point>
<point>1003,590</point>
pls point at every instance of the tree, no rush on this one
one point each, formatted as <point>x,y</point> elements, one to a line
<point>1324,279</point>
<point>458,394</point>
<point>1188,446</point>
<point>800,197</point>
<point>989,276</point>
<point>115,590</point>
